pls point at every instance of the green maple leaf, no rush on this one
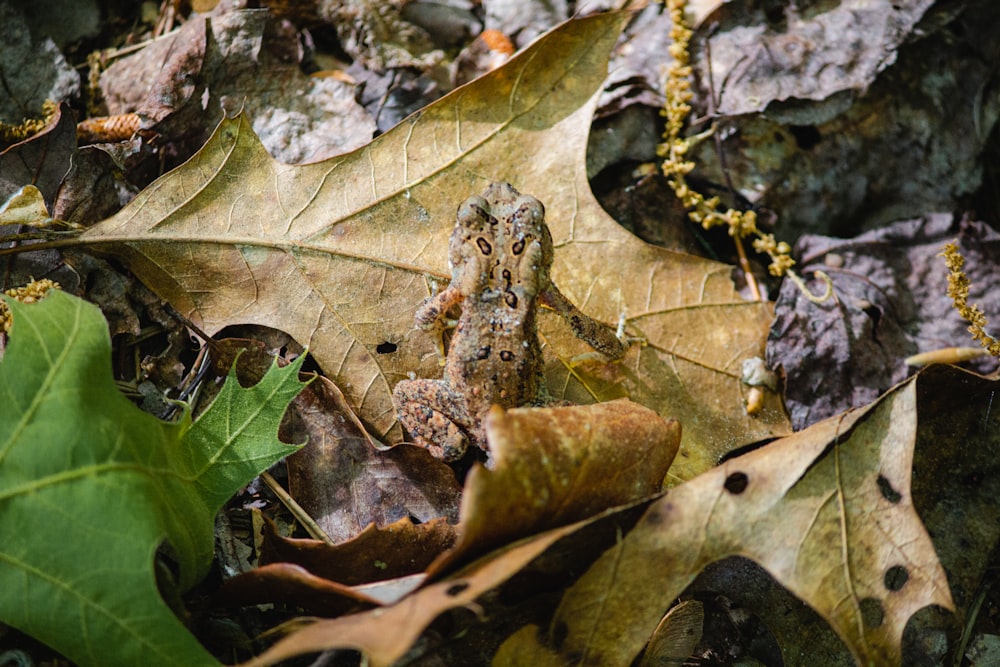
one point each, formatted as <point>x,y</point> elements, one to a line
<point>90,486</point>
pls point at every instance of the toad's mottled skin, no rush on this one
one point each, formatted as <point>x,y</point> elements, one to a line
<point>500,255</point>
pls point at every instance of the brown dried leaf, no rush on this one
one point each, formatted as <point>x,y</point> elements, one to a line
<point>42,159</point>
<point>339,254</point>
<point>804,96</point>
<point>186,81</point>
<point>891,303</point>
<point>812,56</point>
<point>295,585</point>
<point>346,484</point>
<point>385,634</point>
<point>676,636</point>
<point>330,579</point>
<point>828,511</point>
<point>554,466</point>
<point>398,550</point>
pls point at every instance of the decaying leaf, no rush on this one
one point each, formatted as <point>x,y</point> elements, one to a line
<point>555,466</point>
<point>339,254</point>
<point>25,207</point>
<point>805,95</point>
<point>813,57</point>
<point>31,66</point>
<point>345,483</point>
<point>231,60</point>
<point>386,634</point>
<point>891,303</point>
<point>40,160</point>
<point>294,585</point>
<point>397,550</point>
<point>827,511</point>
<point>79,185</point>
<point>676,636</point>
<point>379,566</point>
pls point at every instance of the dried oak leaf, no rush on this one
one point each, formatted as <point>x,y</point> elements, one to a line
<point>330,579</point>
<point>346,482</point>
<point>400,549</point>
<point>386,634</point>
<point>891,303</point>
<point>243,59</point>
<point>339,254</point>
<point>294,585</point>
<point>554,466</point>
<point>42,159</point>
<point>806,95</point>
<point>827,511</point>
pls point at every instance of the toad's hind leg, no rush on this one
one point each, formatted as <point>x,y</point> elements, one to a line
<point>434,417</point>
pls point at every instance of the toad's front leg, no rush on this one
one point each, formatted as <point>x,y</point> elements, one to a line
<point>596,334</point>
<point>432,316</point>
<point>435,417</point>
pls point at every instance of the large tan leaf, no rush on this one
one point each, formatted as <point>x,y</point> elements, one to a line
<point>828,512</point>
<point>340,253</point>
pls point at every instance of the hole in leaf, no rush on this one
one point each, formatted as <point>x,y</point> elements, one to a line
<point>737,483</point>
<point>385,348</point>
<point>896,577</point>
<point>889,493</point>
<point>872,613</point>
<point>455,589</point>
<point>806,136</point>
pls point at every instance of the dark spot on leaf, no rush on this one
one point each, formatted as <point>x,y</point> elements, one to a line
<point>510,298</point>
<point>872,613</point>
<point>483,353</point>
<point>806,136</point>
<point>484,246</point>
<point>889,493</point>
<point>737,483</point>
<point>518,247</point>
<point>896,577</point>
<point>385,348</point>
<point>455,589</point>
<point>507,355</point>
<point>659,513</point>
